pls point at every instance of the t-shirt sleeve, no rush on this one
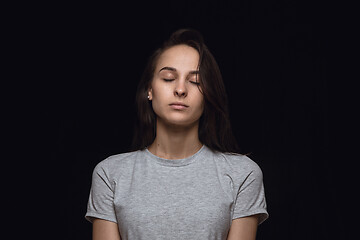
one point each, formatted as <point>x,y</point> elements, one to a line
<point>101,198</point>
<point>250,199</point>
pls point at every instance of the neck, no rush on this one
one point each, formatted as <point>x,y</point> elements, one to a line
<point>175,142</point>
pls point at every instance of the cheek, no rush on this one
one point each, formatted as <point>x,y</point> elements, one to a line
<point>156,103</point>
<point>159,98</point>
<point>199,106</point>
<point>160,90</point>
<point>160,94</point>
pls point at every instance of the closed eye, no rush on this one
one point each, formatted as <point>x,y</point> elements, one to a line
<point>196,83</point>
<point>168,79</point>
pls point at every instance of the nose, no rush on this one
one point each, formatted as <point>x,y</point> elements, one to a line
<point>180,89</point>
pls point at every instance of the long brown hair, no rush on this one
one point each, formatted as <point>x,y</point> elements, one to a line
<point>214,125</point>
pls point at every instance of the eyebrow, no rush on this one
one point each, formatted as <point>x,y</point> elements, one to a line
<point>168,68</point>
<point>174,70</point>
<point>194,72</point>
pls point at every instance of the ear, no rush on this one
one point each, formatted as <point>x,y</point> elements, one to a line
<point>150,97</point>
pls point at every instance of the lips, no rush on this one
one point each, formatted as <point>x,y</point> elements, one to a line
<point>178,105</point>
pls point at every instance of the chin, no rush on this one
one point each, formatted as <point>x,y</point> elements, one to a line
<point>179,119</point>
<point>181,122</point>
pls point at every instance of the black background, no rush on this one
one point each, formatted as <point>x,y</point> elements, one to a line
<point>274,57</point>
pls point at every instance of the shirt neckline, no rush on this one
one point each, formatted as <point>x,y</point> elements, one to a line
<point>175,162</point>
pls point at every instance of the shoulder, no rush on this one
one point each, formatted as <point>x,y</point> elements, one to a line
<point>239,164</point>
<point>115,162</point>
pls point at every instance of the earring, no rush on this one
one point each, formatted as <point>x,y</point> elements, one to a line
<point>148,97</point>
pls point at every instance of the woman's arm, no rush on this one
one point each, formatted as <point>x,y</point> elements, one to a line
<point>243,228</point>
<point>105,230</point>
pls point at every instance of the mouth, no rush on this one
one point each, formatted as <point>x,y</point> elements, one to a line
<point>178,105</point>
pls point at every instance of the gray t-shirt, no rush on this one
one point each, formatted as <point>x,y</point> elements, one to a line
<point>192,198</point>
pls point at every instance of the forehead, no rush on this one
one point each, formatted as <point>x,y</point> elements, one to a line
<point>181,57</point>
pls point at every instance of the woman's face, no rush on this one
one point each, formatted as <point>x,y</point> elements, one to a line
<point>175,95</point>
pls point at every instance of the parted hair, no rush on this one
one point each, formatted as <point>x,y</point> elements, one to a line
<point>214,124</point>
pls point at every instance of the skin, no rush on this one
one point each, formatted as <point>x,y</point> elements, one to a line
<point>243,228</point>
<point>176,80</point>
<point>105,230</point>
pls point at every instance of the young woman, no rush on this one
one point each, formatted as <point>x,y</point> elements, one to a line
<point>184,179</point>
